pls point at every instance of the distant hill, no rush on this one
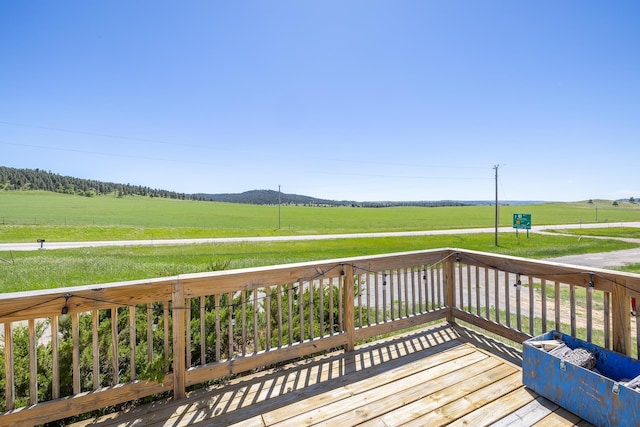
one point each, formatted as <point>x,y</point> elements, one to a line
<point>269,197</point>
<point>37,179</point>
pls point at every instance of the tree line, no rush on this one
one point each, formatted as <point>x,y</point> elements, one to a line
<point>37,179</point>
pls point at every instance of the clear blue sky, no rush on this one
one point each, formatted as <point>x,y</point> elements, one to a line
<point>358,100</point>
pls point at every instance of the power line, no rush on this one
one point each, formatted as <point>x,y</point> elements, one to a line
<point>104,135</point>
<point>102,153</point>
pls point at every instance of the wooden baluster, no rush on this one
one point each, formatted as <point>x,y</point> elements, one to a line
<point>507,299</point>
<point>55,359</point>
<point>376,297</point>
<point>385,286</point>
<point>150,325</point>
<point>518,303</point>
<point>607,320</point>
<point>478,304</point>
<point>532,305</point>
<point>75,338</point>
<point>460,280</point>
<point>496,286</point>
<point>301,310</point>
<point>469,295</point>
<point>405,279</point>
<point>179,338</point>
<point>487,305</point>
<point>187,332</point>
<point>543,292</point>
<point>132,342</point>
<point>203,331</point>
<point>311,310</point>
<point>572,302</point>
<point>95,322</point>
<point>359,289</point>
<point>392,298</point>
<point>556,289</point>
<point>267,309</point>
<point>589,298</point>
<point>279,298</point>
<point>243,299</point>
<point>256,341</point>
<point>165,314</point>
<point>115,367</point>
<point>9,387</point>
<point>321,306</point>
<point>33,363</point>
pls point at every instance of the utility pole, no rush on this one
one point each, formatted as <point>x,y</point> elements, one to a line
<point>278,206</point>
<point>497,213</point>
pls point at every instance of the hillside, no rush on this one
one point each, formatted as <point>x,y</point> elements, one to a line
<point>13,179</point>
<point>269,197</point>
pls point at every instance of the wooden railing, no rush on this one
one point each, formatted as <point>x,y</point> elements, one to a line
<point>70,351</point>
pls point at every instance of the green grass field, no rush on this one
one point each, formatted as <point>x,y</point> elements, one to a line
<point>27,216</point>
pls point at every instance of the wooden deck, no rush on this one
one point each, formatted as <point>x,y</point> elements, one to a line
<point>444,375</point>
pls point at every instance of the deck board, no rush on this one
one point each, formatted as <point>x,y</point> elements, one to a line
<point>529,414</point>
<point>443,375</point>
<point>560,417</point>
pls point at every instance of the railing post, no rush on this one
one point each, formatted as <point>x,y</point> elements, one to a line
<point>449,285</point>
<point>348,307</point>
<point>179,336</point>
<point>621,319</point>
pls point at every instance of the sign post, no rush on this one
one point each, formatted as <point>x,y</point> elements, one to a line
<point>522,222</point>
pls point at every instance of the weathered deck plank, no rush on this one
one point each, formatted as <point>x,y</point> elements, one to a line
<point>432,377</point>
<point>529,414</point>
<point>560,417</point>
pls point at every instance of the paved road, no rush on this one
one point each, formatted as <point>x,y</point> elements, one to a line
<point>603,259</point>
<point>609,259</point>
<point>71,245</point>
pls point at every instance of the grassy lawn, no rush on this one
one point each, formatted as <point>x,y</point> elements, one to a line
<point>618,232</point>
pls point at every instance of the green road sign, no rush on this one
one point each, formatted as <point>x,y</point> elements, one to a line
<point>522,221</point>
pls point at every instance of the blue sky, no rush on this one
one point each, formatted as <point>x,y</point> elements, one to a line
<point>356,100</point>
